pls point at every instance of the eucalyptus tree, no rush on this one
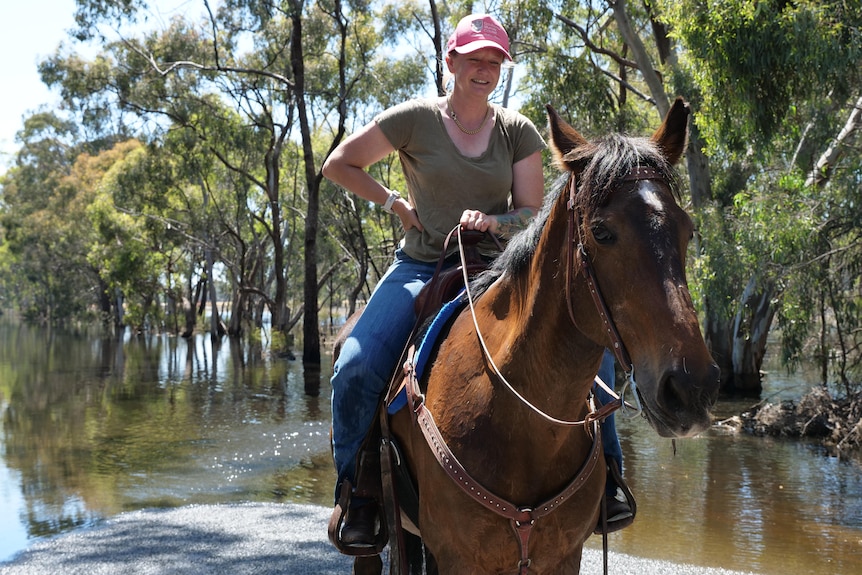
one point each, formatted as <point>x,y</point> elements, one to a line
<point>161,197</point>
<point>132,252</point>
<point>283,66</point>
<point>63,257</point>
<point>779,91</point>
<point>45,273</point>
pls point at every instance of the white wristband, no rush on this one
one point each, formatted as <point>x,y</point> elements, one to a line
<point>390,201</point>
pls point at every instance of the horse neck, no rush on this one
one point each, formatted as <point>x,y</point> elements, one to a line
<point>539,334</point>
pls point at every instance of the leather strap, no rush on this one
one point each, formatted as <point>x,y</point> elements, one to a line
<point>639,173</point>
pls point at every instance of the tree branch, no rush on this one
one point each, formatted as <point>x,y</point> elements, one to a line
<point>171,66</point>
<point>822,171</point>
<point>594,47</point>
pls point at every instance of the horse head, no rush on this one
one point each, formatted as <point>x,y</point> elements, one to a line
<point>633,234</point>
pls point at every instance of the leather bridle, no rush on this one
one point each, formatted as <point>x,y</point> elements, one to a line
<point>638,173</point>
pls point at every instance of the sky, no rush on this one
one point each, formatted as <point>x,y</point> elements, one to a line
<point>32,30</point>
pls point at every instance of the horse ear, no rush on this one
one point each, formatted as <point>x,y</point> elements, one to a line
<point>564,138</point>
<point>671,135</point>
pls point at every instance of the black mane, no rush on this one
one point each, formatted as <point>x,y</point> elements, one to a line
<point>606,162</point>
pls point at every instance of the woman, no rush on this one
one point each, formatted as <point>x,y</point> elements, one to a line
<point>465,161</point>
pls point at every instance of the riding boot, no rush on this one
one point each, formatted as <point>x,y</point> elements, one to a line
<point>360,524</point>
<point>362,521</point>
<point>619,505</point>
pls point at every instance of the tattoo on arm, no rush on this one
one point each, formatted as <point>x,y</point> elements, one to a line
<point>511,222</point>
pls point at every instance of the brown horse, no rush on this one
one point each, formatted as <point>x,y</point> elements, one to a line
<point>511,480</point>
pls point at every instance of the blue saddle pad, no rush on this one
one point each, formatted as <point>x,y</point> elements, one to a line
<point>429,339</point>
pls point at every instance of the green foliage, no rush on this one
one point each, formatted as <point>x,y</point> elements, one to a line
<point>755,59</point>
<point>130,252</point>
<point>580,83</point>
<point>42,235</point>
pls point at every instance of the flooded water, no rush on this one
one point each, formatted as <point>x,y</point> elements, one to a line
<point>94,427</point>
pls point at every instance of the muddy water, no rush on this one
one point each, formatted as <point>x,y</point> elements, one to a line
<point>93,427</point>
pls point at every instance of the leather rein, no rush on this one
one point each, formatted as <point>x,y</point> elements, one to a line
<point>523,518</point>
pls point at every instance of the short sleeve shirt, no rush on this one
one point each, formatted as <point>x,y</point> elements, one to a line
<point>441,181</point>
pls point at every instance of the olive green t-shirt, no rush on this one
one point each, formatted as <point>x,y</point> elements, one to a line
<point>442,182</point>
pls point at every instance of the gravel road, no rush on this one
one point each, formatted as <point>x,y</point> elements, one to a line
<point>259,539</point>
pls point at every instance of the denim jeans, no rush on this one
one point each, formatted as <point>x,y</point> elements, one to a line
<point>369,356</point>
<point>610,439</point>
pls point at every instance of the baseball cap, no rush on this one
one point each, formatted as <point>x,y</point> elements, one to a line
<point>479,31</point>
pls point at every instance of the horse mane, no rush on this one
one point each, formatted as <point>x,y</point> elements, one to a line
<point>606,161</point>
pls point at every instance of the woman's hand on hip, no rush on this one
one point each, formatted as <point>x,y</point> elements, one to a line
<point>407,214</point>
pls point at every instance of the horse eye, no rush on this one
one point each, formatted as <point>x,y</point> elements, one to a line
<point>602,234</point>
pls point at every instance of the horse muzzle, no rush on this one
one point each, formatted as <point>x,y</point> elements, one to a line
<point>679,405</point>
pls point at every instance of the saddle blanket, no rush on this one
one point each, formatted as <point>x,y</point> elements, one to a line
<point>427,345</point>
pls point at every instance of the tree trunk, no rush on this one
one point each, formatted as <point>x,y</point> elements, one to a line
<point>699,179</point>
<point>310,324</point>
<point>651,77</point>
<point>237,305</point>
<point>823,168</point>
<point>739,345</point>
<point>750,331</point>
<point>439,77</point>
<point>216,331</point>
<point>273,175</point>
<point>216,327</point>
<point>105,303</point>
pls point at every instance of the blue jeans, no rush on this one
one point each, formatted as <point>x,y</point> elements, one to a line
<point>610,439</point>
<point>369,357</point>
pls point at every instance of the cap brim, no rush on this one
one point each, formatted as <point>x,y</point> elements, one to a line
<point>479,44</point>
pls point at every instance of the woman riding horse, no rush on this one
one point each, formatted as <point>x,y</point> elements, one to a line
<point>500,434</point>
<point>465,161</point>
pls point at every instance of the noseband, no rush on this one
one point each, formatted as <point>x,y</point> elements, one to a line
<point>637,174</point>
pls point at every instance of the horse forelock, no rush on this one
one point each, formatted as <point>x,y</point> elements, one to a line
<point>615,158</point>
<point>607,161</point>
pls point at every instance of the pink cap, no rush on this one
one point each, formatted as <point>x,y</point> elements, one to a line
<point>478,31</point>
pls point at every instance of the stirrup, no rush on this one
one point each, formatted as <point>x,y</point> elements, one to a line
<point>336,522</point>
<point>605,527</point>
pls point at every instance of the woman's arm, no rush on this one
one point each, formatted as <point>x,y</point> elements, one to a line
<point>346,167</point>
<point>528,189</point>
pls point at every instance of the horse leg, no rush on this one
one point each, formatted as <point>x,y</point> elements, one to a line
<point>430,564</point>
<point>372,565</point>
<point>415,551</point>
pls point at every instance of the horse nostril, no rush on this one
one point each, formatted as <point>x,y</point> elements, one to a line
<point>674,395</point>
<point>682,390</point>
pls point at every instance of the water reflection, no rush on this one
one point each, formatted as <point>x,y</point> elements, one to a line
<point>92,427</point>
<point>743,503</point>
